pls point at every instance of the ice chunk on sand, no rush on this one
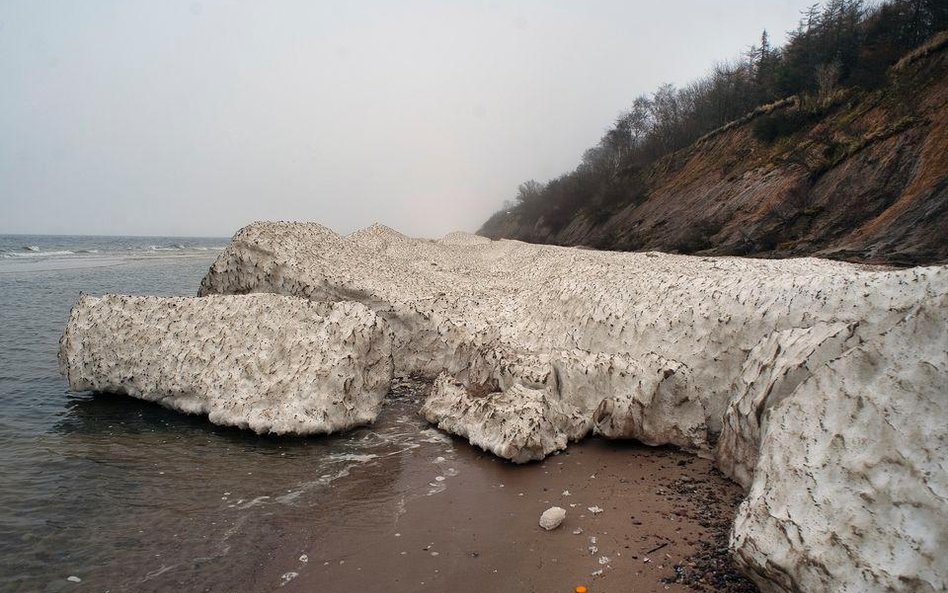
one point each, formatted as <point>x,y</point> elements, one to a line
<point>265,362</point>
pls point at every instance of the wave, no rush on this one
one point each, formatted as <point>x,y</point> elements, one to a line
<point>172,247</point>
<point>32,251</point>
<point>36,253</point>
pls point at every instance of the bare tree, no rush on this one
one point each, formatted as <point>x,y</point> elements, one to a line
<point>827,77</point>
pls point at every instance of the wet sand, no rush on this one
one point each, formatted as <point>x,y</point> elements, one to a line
<point>125,495</point>
<point>181,504</point>
<point>663,526</point>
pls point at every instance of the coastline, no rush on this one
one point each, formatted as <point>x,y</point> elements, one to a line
<point>662,508</point>
<point>302,527</point>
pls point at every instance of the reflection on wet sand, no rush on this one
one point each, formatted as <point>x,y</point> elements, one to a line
<point>155,500</point>
<point>181,502</point>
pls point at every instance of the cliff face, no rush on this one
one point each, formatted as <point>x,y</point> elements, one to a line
<point>864,178</point>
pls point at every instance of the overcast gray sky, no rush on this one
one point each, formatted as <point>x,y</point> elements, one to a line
<point>195,118</point>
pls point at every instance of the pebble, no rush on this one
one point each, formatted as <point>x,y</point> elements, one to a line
<point>552,518</point>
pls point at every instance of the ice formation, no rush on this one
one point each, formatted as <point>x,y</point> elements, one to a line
<point>850,491</point>
<point>269,363</point>
<point>520,424</point>
<point>822,384</point>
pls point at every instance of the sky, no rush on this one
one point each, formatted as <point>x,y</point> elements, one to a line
<point>189,118</point>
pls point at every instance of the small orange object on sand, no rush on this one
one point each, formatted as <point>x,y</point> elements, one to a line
<point>581,589</point>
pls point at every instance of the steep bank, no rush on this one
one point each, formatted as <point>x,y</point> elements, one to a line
<point>863,177</point>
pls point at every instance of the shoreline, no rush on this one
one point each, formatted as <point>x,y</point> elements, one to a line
<point>761,366</point>
<point>663,526</point>
<point>366,511</point>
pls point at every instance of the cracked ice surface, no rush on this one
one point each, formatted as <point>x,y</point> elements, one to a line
<point>822,383</point>
<point>265,362</point>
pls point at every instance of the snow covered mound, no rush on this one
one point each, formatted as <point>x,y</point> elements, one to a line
<point>680,346</point>
<point>822,384</point>
<point>264,362</point>
<point>850,492</point>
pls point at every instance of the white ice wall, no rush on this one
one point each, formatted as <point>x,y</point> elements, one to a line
<point>265,362</point>
<point>822,383</point>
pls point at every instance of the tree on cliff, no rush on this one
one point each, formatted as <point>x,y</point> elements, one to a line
<point>844,43</point>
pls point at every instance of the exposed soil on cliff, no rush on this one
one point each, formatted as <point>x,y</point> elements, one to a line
<point>864,179</point>
<point>660,522</point>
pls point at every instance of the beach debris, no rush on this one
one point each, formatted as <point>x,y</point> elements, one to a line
<point>304,558</point>
<point>552,518</point>
<point>73,579</point>
<point>657,548</point>
<point>604,560</point>
<point>595,510</point>
<point>581,589</point>
<point>577,531</point>
<point>565,493</point>
<point>596,573</point>
<point>286,577</point>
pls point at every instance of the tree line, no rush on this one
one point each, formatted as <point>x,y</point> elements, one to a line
<point>839,44</point>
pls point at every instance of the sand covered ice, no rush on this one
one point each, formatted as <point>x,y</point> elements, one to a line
<point>268,363</point>
<point>808,380</point>
<point>649,346</point>
<point>849,491</point>
<point>519,424</point>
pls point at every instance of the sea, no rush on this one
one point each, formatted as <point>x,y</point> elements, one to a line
<point>108,493</point>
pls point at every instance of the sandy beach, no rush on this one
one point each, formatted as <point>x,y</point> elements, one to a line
<point>663,523</point>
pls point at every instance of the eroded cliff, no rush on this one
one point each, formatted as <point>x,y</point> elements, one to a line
<point>862,178</point>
